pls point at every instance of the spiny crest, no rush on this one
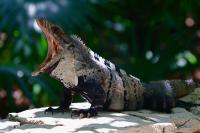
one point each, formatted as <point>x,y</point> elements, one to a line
<point>78,39</point>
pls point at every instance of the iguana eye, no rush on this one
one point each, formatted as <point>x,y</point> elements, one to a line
<point>70,47</point>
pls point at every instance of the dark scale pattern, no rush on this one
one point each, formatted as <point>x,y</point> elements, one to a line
<point>107,63</point>
<point>135,85</point>
<point>125,100</point>
<point>120,74</point>
<point>108,101</point>
<point>111,78</point>
<point>117,68</point>
<point>123,83</point>
<point>96,56</point>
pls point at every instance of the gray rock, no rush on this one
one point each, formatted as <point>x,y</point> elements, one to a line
<point>193,97</point>
<point>35,120</point>
<point>195,110</point>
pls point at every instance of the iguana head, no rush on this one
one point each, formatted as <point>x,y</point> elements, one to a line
<point>53,34</point>
<point>60,58</point>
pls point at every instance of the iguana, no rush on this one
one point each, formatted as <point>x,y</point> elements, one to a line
<point>99,81</point>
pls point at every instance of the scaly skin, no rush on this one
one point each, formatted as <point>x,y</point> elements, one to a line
<point>98,80</point>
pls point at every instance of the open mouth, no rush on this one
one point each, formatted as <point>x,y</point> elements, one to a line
<point>53,48</point>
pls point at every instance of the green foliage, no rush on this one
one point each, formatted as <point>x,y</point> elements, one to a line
<point>152,40</point>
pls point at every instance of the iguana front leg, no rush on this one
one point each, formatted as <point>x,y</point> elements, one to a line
<point>64,103</point>
<point>94,93</point>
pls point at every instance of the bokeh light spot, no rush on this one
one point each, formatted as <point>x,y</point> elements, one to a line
<point>189,22</point>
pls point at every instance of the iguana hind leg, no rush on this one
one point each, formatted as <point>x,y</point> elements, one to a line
<point>94,93</point>
<point>84,113</point>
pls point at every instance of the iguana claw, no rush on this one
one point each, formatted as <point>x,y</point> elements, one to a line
<point>84,113</point>
<point>56,110</point>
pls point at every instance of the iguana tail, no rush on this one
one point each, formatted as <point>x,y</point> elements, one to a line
<point>162,95</point>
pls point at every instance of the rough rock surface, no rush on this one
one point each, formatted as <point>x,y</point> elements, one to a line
<point>194,97</point>
<point>35,120</point>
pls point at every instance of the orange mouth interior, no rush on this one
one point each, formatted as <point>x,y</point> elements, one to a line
<point>53,50</point>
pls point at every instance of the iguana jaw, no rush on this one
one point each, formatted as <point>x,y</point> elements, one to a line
<point>51,32</point>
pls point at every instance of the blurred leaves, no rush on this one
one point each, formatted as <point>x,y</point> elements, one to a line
<point>152,40</point>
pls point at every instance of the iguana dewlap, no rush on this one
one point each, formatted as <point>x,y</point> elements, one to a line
<point>99,81</point>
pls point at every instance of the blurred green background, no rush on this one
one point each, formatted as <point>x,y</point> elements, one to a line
<point>156,39</point>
